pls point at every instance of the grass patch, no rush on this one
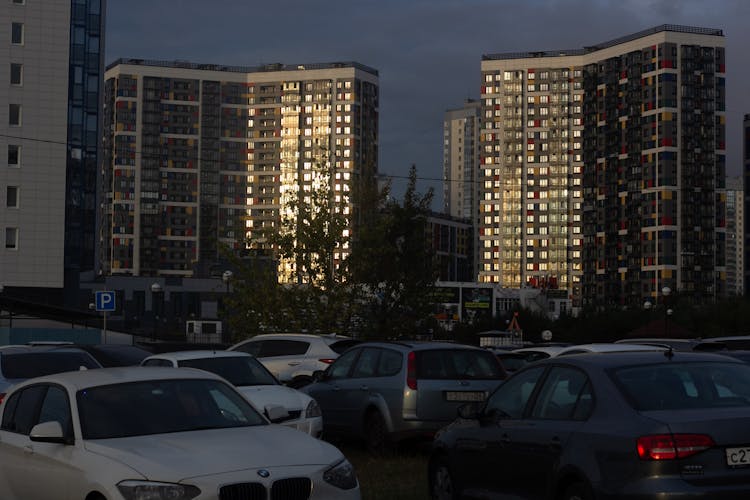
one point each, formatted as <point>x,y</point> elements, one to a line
<point>400,475</point>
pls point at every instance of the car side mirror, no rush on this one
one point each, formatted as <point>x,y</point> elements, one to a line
<point>276,413</point>
<point>49,432</point>
<point>470,411</point>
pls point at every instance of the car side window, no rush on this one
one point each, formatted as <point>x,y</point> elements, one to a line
<point>253,347</point>
<point>56,408</point>
<point>511,398</point>
<point>25,409</point>
<point>341,367</point>
<point>390,363</point>
<point>273,348</point>
<point>561,393</point>
<point>366,364</point>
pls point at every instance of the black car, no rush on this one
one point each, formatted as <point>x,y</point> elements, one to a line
<point>631,425</point>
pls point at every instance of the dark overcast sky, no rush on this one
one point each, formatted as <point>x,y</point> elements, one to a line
<point>428,52</point>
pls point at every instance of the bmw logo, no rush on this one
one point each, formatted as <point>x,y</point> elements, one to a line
<point>263,473</point>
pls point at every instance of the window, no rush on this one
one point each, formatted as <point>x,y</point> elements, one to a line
<point>511,397</point>
<point>366,364</point>
<point>55,408</point>
<point>16,33</point>
<point>341,367</point>
<point>16,74</point>
<point>11,238</point>
<point>11,199</point>
<point>565,395</point>
<point>21,410</point>
<point>14,115</point>
<point>19,2</point>
<point>14,155</point>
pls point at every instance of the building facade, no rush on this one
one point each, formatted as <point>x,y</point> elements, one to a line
<point>601,168</point>
<point>207,155</point>
<point>460,160</point>
<point>746,203</point>
<point>451,240</point>
<point>735,236</point>
<point>49,138</point>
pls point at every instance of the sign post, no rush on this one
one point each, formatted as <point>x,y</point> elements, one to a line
<point>105,302</point>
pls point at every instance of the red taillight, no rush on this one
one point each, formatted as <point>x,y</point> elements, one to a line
<point>2,396</point>
<point>672,446</point>
<point>411,370</point>
<point>327,361</point>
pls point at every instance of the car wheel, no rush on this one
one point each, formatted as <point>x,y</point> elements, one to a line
<point>577,491</point>
<point>376,434</point>
<point>442,485</point>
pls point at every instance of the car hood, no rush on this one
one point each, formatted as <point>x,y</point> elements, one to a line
<point>263,395</point>
<point>182,455</point>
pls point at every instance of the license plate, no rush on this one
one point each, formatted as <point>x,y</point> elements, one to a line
<point>465,395</point>
<point>738,457</point>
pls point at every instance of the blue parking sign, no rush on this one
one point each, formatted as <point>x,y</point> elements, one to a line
<point>105,301</point>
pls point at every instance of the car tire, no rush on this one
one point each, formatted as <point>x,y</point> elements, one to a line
<point>441,482</point>
<point>577,491</point>
<point>376,433</point>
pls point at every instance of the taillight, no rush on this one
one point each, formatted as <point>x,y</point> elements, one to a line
<point>672,446</point>
<point>327,361</point>
<point>2,396</point>
<point>411,370</point>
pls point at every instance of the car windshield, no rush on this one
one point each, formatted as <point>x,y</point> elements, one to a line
<point>457,364</point>
<point>37,364</point>
<point>120,355</point>
<point>240,370</point>
<point>162,406</point>
<point>680,386</point>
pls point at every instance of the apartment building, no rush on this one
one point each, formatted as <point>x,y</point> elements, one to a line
<point>735,236</point>
<point>746,202</point>
<point>460,159</point>
<point>52,69</point>
<point>202,155</point>
<point>599,167</point>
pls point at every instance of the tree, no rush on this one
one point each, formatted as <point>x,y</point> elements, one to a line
<point>393,262</point>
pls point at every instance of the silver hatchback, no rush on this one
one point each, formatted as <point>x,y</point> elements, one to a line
<point>385,392</point>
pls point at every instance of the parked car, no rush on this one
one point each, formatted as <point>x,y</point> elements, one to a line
<point>509,360</point>
<point>537,353</point>
<point>109,355</point>
<point>294,357</point>
<point>280,404</point>
<point>384,392</point>
<point>22,362</point>
<point>628,425</point>
<point>136,433</point>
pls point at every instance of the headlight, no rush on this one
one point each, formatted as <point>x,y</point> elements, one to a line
<point>313,410</point>
<point>341,475</point>
<point>149,490</point>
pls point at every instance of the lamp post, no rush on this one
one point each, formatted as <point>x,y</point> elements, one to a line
<point>667,312</point>
<point>226,277</point>
<point>156,291</point>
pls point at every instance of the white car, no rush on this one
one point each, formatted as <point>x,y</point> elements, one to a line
<point>607,347</point>
<point>280,404</point>
<point>137,433</point>
<point>294,357</point>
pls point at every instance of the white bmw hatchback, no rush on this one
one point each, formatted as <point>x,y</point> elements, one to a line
<point>279,403</point>
<point>138,433</point>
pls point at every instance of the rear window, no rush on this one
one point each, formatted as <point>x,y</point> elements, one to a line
<point>342,345</point>
<point>37,364</point>
<point>272,348</point>
<point>121,355</point>
<point>458,364</point>
<point>681,386</point>
<point>239,371</point>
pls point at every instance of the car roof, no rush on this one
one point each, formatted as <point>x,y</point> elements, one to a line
<point>22,349</point>
<point>329,337</point>
<point>607,347</point>
<point>83,379</point>
<point>198,354</point>
<point>550,349</point>
<point>420,345</point>
<point>631,358</point>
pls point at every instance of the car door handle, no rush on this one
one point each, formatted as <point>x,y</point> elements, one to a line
<point>555,443</point>
<point>28,449</point>
<point>504,439</point>
<point>335,388</point>
<point>364,388</point>
<point>294,363</point>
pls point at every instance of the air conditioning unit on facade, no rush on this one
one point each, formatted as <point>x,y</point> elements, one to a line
<point>203,331</point>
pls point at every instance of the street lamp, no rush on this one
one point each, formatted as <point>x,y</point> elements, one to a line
<point>226,277</point>
<point>667,312</point>
<point>156,290</point>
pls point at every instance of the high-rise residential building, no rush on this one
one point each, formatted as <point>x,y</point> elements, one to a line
<point>52,71</point>
<point>203,155</point>
<point>735,236</point>
<point>460,160</point>
<point>600,167</point>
